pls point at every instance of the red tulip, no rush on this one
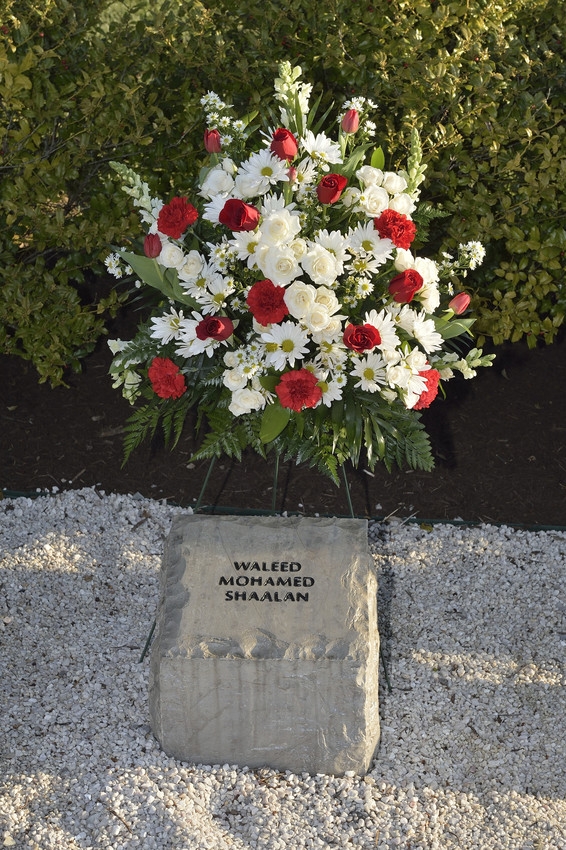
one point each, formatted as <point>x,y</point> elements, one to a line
<point>460,303</point>
<point>351,121</point>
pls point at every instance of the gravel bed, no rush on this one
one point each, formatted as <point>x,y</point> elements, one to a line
<point>473,748</point>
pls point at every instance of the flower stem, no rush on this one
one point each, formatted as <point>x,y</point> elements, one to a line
<point>205,482</point>
<point>275,480</point>
<point>348,494</point>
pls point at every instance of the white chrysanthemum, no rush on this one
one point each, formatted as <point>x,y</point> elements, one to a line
<point>196,286</point>
<point>322,150</point>
<point>373,200</point>
<point>300,298</point>
<point>384,324</point>
<point>369,176</point>
<point>272,203</point>
<point>265,169</point>
<point>280,227</point>
<point>214,207</point>
<point>284,344</point>
<point>304,175</point>
<point>370,371</point>
<point>245,400</point>
<point>425,332</point>
<point>167,327</point>
<point>320,265</point>
<point>332,354</point>
<point>393,182</point>
<point>171,256</point>
<point>246,244</point>
<point>192,267</point>
<point>213,297</point>
<point>216,182</point>
<point>336,243</point>
<point>279,264</point>
<point>402,203</point>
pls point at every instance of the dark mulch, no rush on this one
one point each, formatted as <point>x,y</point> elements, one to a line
<point>499,443</point>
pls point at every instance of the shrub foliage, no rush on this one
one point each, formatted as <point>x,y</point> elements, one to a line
<point>89,81</point>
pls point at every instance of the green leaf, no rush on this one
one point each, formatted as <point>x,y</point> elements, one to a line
<point>274,420</point>
<point>378,158</point>
<point>448,330</point>
<point>166,281</point>
<point>269,382</point>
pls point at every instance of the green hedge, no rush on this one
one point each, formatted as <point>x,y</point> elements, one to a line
<point>86,82</point>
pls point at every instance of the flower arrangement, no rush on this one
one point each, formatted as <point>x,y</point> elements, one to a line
<point>294,315</point>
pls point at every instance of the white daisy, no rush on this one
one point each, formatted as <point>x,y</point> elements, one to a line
<point>384,323</point>
<point>370,371</point>
<point>365,239</point>
<point>331,391</point>
<point>322,150</point>
<point>284,344</point>
<point>245,245</point>
<point>265,169</point>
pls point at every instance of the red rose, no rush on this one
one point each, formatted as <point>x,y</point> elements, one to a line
<point>152,245</point>
<point>330,188</point>
<point>395,226</point>
<point>175,217</point>
<point>284,144</point>
<point>298,389</point>
<point>266,302</point>
<point>361,337</point>
<point>404,286</point>
<point>351,121</point>
<point>460,303</point>
<point>238,215</point>
<point>212,143</point>
<point>432,377</point>
<point>166,379</point>
<point>215,327</point>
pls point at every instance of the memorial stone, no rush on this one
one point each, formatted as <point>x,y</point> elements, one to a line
<point>267,650</point>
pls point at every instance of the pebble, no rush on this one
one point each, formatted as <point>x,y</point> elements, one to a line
<point>473,732</point>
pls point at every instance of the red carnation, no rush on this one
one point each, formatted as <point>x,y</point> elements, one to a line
<point>266,302</point>
<point>404,286</point>
<point>298,389</point>
<point>361,337</point>
<point>166,379</point>
<point>330,188</point>
<point>432,377</point>
<point>395,226</point>
<point>239,216</point>
<point>215,327</point>
<point>284,144</point>
<point>175,217</point>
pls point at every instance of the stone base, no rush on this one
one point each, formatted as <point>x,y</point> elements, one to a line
<point>275,664</point>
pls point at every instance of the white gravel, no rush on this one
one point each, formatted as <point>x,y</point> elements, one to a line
<point>473,750</point>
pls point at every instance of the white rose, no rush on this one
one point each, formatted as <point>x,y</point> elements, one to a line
<point>369,176</point>
<point>280,227</point>
<point>299,248</point>
<point>331,332</point>
<point>234,379</point>
<point>404,260</point>
<point>317,318</point>
<point>394,183</point>
<point>327,298</point>
<point>398,376</point>
<point>247,186</point>
<point>245,400</point>
<point>192,266</point>
<point>417,360</point>
<point>216,182</point>
<point>172,257</point>
<point>403,204</point>
<point>299,298</point>
<point>374,200</point>
<point>231,359</point>
<point>278,264</point>
<point>320,265</point>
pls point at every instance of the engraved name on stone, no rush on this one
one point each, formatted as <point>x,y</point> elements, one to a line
<point>252,582</point>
